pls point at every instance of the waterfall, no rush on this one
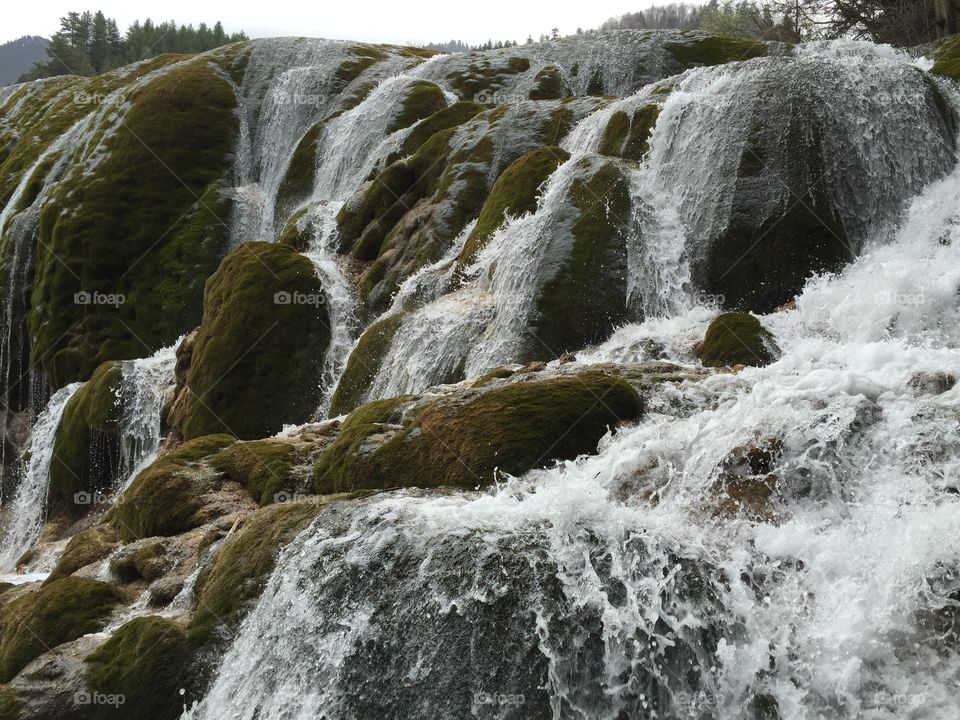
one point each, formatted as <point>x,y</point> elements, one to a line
<point>765,543</point>
<point>28,509</point>
<point>147,383</point>
<point>618,585</point>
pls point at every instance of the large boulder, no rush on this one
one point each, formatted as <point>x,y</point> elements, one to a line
<point>737,339</point>
<point>86,449</point>
<point>146,662</point>
<point>56,613</point>
<point>134,227</point>
<point>256,363</point>
<point>464,439</point>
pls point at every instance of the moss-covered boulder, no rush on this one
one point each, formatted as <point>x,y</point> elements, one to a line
<point>364,364</point>
<point>548,84</point>
<point>585,298</point>
<point>449,117</point>
<point>301,173</point>
<point>461,440</point>
<point>704,49</point>
<point>271,470</point>
<point>628,136</point>
<point>737,339</point>
<point>85,548</point>
<point>56,613</point>
<point>242,566</point>
<point>173,494</point>
<point>257,361</point>
<point>514,193</point>
<point>139,223</point>
<point>421,100</point>
<point>947,55</point>
<point>147,662</point>
<point>86,451</point>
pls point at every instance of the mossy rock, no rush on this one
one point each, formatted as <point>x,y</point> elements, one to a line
<point>264,467</point>
<point>947,55</point>
<point>548,84</point>
<point>715,50</point>
<point>491,375</point>
<point>258,356</point>
<point>10,706</point>
<point>146,222</point>
<point>147,661</point>
<point>85,548</point>
<point>737,339</point>
<point>58,612</point>
<point>242,566</point>
<point>628,136</point>
<point>461,442</point>
<point>422,99</point>
<point>147,562</point>
<point>166,497</point>
<point>364,364</point>
<point>585,299</point>
<point>86,450</point>
<point>449,117</point>
<point>514,193</point>
<point>297,231</point>
<point>300,175</point>
<point>486,75</point>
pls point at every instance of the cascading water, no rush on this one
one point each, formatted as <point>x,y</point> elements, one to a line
<point>27,510</point>
<point>631,583</point>
<point>147,384</point>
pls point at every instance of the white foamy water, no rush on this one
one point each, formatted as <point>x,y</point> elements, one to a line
<point>629,583</point>
<point>27,511</point>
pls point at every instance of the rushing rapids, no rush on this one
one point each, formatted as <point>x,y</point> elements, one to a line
<point>770,541</point>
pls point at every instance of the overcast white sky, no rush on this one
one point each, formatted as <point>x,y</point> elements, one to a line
<point>398,21</point>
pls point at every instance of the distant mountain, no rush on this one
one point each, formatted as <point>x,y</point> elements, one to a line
<point>18,56</point>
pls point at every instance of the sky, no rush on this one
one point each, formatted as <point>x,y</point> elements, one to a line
<point>397,21</point>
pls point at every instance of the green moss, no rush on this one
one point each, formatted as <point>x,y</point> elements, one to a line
<point>242,566</point>
<point>514,193</point>
<point>548,84</point>
<point>264,467</point>
<point>364,364</point>
<point>56,613</point>
<point>514,429</point>
<point>10,707</point>
<point>86,451</point>
<point>585,299</point>
<point>947,57</point>
<point>257,360</point>
<point>449,117</point>
<point>715,50</point>
<point>147,662</point>
<point>422,100</point>
<point>483,78</point>
<point>85,548</point>
<point>366,220</point>
<point>166,496</point>
<point>557,127</point>
<point>294,235</point>
<point>133,224</point>
<point>495,374</point>
<point>737,339</point>
<point>301,173</point>
<point>628,137</point>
